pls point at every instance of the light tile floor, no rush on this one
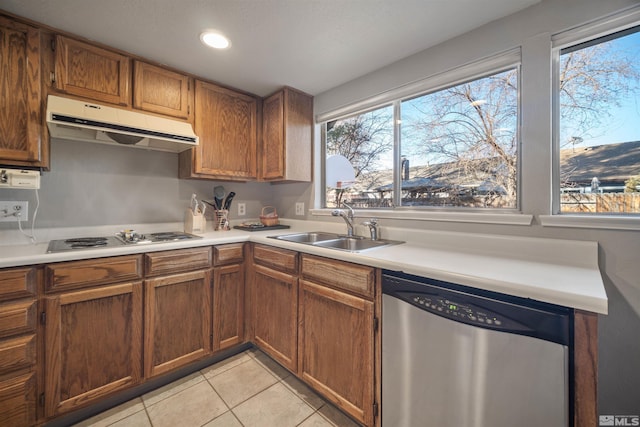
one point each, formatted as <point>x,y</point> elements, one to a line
<point>248,389</point>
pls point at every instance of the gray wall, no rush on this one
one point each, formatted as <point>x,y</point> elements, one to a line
<point>96,184</point>
<point>619,342</point>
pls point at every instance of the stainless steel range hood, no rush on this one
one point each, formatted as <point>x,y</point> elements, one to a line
<point>91,122</point>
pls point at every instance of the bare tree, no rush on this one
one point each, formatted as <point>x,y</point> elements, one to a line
<point>363,140</point>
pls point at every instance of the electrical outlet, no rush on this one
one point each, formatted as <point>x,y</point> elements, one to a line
<point>14,211</point>
<point>300,208</point>
<point>242,209</point>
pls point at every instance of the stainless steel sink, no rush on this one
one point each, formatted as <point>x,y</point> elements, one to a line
<point>335,241</point>
<point>312,237</point>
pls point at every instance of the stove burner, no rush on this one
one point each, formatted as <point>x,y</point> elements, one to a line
<point>170,236</point>
<point>86,242</point>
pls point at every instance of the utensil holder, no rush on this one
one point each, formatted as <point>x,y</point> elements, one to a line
<point>222,220</point>
<point>270,217</point>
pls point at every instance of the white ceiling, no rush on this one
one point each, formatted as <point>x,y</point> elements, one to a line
<point>313,45</point>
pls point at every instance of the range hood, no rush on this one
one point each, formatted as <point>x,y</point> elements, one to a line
<point>85,121</point>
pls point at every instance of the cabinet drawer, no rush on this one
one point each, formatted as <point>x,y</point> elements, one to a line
<point>358,279</point>
<point>280,259</point>
<point>179,260</point>
<point>16,353</point>
<point>78,274</point>
<point>17,318</point>
<point>18,283</point>
<point>18,401</point>
<point>227,254</point>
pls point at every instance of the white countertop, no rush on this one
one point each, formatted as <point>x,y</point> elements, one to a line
<point>562,272</point>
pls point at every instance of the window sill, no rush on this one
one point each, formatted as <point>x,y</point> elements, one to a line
<point>591,221</point>
<point>447,216</point>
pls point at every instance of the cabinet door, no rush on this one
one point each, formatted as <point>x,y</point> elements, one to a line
<point>20,113</point>
<point>177,321</point>
<point>18,401</point>
<point>336,348</point>
<point>93,345</point>
<point>273,137</point>
<point>91,72</point>
<point>226,125</point>
<point>161,91</point>
<point>275,319</point>
<point>228,306</point>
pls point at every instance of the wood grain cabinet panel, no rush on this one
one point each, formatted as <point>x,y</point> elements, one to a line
<point>78,274</point>
<point>177,325</point>
<point>93,345</point>
<point>20,113</point>
<point>226,123</point>
<point>287,124</point>
<point>91,72</point>
<point>17,317</point>
<point>18,401</point>
<point>355,278</point>
<point>336,344</point>
<point>275,314</point>
<point>280,259</point>
<point>228,254</point>
<point>161,91</point>
<point>18,283</point>
<point>228,306</point>
<point>169,262</point>
<point>17,353</point>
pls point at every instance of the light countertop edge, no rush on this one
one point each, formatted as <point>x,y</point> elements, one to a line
<point>529,273</point>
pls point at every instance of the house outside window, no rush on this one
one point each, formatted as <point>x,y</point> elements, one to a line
<point>453,147</point>
<point>597,154</point>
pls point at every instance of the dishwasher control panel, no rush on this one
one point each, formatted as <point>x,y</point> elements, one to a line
<point>461,312</point>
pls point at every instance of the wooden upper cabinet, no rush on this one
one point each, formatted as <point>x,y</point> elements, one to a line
<point>161,91</point>
<point>91,72</point>
<point>225,122</point>
<point>20,109</point>
<point>287,136</point>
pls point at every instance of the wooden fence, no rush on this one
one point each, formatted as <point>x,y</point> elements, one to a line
<point>605,202</point>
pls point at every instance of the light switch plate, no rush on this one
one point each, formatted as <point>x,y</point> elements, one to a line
<point>300,208</point>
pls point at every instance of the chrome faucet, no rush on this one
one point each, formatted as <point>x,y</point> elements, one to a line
<point>373,227</point>
<point>348,218</point>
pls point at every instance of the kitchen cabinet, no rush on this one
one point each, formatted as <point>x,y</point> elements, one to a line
<point>336,334</point>
<point>228,295</point>
<point>158,90</point>
<point>91,72</point>
<point>18,346</point>
<point>275,303</point>
<point>177,314</point>
<point>21,122</point>
<point>93,331</point>
<point>287,136</point>
<point>225,122</point>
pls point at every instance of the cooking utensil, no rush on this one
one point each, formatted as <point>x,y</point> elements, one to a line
<point>219,194</point>
<point>227,201</point>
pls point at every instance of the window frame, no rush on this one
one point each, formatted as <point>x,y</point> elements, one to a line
<point>496,64</point>
<point>587,33</point>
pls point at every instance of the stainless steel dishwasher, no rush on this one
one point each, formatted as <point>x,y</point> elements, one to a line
<point>454,356</point>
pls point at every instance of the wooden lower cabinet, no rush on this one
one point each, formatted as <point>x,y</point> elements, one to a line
<point>93,341</point>
<point>336,348</point>
<point>18,401</point>
<point>177,325</point>
<point>275,314</point>
<point>228,306</point>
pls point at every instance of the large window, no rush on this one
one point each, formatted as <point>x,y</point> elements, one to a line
<point>598,116</point>
<point>456,147</point>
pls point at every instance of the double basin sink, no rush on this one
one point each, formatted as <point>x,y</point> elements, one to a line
<point>336,241</point>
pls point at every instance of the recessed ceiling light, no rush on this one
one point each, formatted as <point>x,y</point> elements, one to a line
<point>214,39</point>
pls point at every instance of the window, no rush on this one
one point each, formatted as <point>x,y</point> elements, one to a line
<point>366,141</point>
<point>455,147</point>
<point>598,121</point>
